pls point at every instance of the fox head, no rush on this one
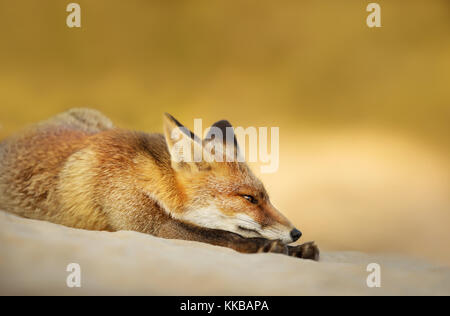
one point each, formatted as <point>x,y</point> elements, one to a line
<point>219,192</point>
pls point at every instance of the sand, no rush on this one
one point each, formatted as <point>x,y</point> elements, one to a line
<point>34,256</point>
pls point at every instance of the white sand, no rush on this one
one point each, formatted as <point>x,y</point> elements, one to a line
<point>34,256</point>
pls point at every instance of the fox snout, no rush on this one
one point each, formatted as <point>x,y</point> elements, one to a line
<point>285,236</point>
<point>277,225</point>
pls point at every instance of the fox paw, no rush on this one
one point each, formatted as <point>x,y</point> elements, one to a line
<point>307,250</point>
<point>274,246</point>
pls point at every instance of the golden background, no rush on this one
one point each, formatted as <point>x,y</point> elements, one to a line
<point>363,113</point>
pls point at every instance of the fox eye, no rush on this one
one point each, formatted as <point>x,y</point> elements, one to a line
<point>250,198</point>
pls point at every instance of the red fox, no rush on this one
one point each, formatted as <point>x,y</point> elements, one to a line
<point>78,170</point>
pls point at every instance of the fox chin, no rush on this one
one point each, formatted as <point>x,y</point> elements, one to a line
<point>77,169</point>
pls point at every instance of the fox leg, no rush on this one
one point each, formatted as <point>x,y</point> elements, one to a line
<point>179,230</point>
<point>174,229</point>
<point>307,250</point>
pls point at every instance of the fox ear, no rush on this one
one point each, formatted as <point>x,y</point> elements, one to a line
<point>221,140</point>
<point>184,146</point>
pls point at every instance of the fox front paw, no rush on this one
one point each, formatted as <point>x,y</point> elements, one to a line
<point>273,246</point>
<point>307,250</point>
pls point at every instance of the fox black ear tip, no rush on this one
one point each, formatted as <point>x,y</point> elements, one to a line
<point>222,124</point>
<point>170,118</point>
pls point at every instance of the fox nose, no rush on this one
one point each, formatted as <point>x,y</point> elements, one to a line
<point>295,234</point>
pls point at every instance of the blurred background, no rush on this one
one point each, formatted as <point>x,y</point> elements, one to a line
<point>364,114</point>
